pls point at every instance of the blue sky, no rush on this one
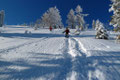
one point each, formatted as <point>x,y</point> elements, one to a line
<point>20,11</point>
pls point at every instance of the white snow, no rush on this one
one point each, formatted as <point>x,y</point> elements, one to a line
<point>45,55</point>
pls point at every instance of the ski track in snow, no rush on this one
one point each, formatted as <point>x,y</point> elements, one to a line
<point>21,45</point>
<point>59,58</point>
<point>89,67</point>
<point>103,64</point>
<point>75,48</point>
<point>81,65</point>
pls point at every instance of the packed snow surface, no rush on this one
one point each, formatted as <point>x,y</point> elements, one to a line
<point>45,55</point>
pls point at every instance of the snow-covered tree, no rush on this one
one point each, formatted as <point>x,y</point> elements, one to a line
<point>45,20</point>
<point>115,18</point>
<point>71,21</point>
<point>37,24</point>
<point>78,9</point>
<point>31,24</point>
<point>76,18</point>
<point>98,25</point>
<point>86,26</point>
<point>2,15</point>
<point>52,18</point>
<point>80,17</point>
<point>93,24</point>
<point>101,31</point>
<point>55,17</point>
<point>102,34</point>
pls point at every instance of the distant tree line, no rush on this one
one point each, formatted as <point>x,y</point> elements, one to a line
<point>52,17</point>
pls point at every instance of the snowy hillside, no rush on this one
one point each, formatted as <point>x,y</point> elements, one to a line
<point>45,55</point>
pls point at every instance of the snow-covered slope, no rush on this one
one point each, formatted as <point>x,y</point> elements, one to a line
<point>45,55</point>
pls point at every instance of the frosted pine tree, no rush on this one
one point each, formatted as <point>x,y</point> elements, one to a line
<point>37,24</point>
<point>115,18</point>
<point>86,26</point>
<point>52,18</point>
<point>71,21</point>
<point>101,31</point>
<point>98,25</point>
<point>58,19</point>
<point>80,17</point>
<point>45,20</point>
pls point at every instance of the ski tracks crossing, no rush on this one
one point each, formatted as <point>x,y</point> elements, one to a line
<point>81,65</point>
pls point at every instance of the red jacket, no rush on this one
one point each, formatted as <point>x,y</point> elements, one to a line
<point>67,31</point>
<point>50,28</point>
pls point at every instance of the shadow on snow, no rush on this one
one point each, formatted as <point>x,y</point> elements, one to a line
<point>36,70</point>
<point>39,35</point>
<point>33,35</point>
<point>82,65</point>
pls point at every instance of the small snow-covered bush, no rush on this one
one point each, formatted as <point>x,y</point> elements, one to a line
<point>26,31</point>
<point>102,34</point>
<point>30,32</point>
<point>101,31</point>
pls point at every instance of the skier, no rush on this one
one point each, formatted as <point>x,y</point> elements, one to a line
<point>67,31</point>
<point>50,28</point>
